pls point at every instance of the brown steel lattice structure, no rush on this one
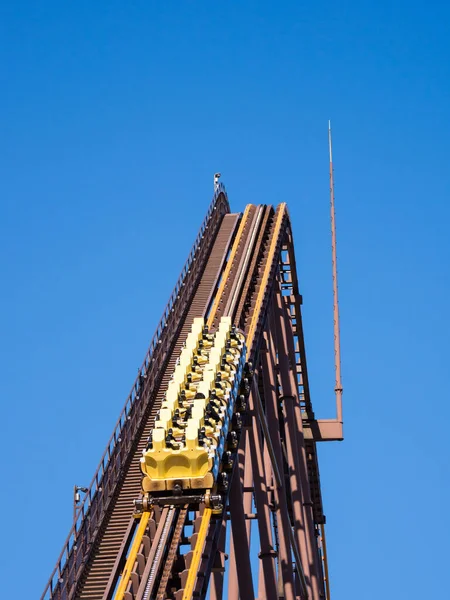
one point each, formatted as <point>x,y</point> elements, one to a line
<point>241,266</point>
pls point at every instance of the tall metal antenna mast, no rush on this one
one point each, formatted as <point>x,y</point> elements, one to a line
<point>337,341</point>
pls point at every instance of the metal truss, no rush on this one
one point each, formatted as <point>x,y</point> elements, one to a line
<point>259,531</point>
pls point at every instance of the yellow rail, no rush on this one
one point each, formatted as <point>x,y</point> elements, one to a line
<point>129,565</point>
<point>200,543</point>
<point>262,290</point>
<point>226,274</point>
<point>192,576</point>
<point>198,551</point>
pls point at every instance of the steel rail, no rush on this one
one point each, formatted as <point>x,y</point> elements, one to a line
<point>226,274</point>
<point>199,303</point>
<point>200,542</point>
<point>193,569</point>
<point>263,290</point>
<point>206,517</point>
<point>131,559</point>
<point>262,293</point>
<point>226,279</point>
<point>234,277</point>
<point>155,564</point>
<point>95,486</point>
<point>156,551</point>
<point>243,268</point>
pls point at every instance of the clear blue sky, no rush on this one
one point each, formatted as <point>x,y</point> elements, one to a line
<point>113,117</point>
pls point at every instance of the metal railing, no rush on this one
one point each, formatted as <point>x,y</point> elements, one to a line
<point>101,489</point>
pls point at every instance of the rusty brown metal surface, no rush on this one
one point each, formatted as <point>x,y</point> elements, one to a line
<point>293,300</point>
<point>284,531</point>
<point>325,430</point>
<point>304,530</point>
<point>240,582</point>
<point>276,465</point>
<point>285,572</point>
<point>107,547</point>
<point>239,266</point>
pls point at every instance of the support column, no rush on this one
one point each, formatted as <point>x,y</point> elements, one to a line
<point>240,580</point>
<point>267,587</point>
<point>217,575</point>
<point>248,481</point>
<point>301,496</point>
<point>271,398</point>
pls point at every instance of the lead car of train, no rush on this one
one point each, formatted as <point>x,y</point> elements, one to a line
<point>190,449</point>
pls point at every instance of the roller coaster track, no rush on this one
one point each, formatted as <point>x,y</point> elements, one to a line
<point>241,266</point>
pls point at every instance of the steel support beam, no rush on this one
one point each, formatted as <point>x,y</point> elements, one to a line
<point>324,430</point>
<point>271,399</point>
<point>240,580</point>
<point>267,581</point>
<point>304,526</point>
<point>218,570</point>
